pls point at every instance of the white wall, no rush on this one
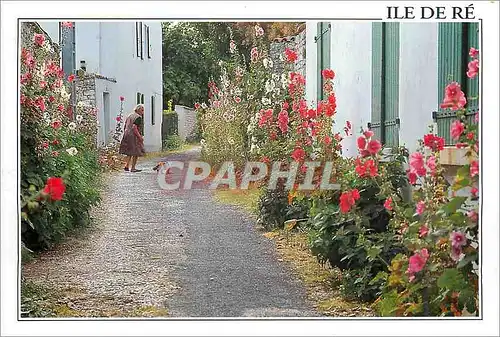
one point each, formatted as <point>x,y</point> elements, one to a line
<point>311,62</point>
<point>109,50</point>
<point>51,28</point>
<point>418,93</point>
<point>351,61</point>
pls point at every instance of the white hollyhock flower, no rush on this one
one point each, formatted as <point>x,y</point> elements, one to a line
<point>72,126</point>
<point>270,86</point>
<point>79,104</point>
<point>271,64</point>
<point>72,151</point>
<point>266,101</point>
<point>79,118</point>
<point>203,105</point>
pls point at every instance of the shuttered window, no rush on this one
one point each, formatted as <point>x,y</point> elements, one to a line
<point>139,39</point>
<point>455,41</point>
<point>323,41</point>
<point>385,82</point>
<point>152,110</point>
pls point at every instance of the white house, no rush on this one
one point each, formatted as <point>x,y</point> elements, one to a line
<point>126,58</point>
<point>391,76</point>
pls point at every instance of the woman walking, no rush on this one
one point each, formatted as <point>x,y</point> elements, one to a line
<point>132,144</point>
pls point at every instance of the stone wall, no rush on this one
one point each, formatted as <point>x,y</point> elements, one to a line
<point>86,89</point>
<point>296,43</point>
<point>28,31</point>
<point>187,122</point>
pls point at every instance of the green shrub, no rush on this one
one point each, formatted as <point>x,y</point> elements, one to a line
<point>173,142</point>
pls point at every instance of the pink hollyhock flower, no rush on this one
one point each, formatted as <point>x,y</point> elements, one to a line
<point>473,68</point>
<point>474,168</point>
<point>456,253</point>
<point>361,143</point>
<point>40,103</point>
<point>476,117</point>
<point>417,262</point>
<point>473,216</point>
<point>237,99</point>
<point>51,99</point>
<point>423,231</point>
<point>327,140</point>
<point>474,192</point>
<point>368,133</point>
<point>60,107</point>
<point>45,144</point>
<point>373,147</point>
<point>55,142</point>
<point>412,177</point>
<point>454,98</point>
<point>417,163</point>
<point>71,78</point>
<point>283,121</point>
<point>67,24</point>
<point>420,207</point>
<point>458,239</point>
<point>55,153</point>
<point>456,129</point>
<point>431,164</point>
<point>388,204</point>
<point>197,106</point>
<point>470,135</point>
<point>39,39</point>
<point>473,52</point>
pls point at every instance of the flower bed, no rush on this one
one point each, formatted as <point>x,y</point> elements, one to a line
<point>412,256</point>
<point>59,157</point>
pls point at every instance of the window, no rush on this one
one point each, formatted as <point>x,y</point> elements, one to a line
<point>455,40</point>
<point>152,110</point>
<point>148,41</point>
<point>140,100</point>
<point>139,40</point>
<point>385,82</point>
<point>323,40</point>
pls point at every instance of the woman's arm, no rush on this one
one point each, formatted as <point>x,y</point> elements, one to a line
<point>137,133</point>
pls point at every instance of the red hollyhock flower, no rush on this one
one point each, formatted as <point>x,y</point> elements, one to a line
<point>56,124</point>
<point>473,52</point>
<point>368,134</point>
<point>55,142</point>
<point>40,103</point>
<point>54,188</point>
<point>470,136</point>
<point>39,39</point>
<point>423,231</point>
<point>474,168</point>
<point>327,140</point>
<point>328,74</point>
<point>298,154</point>
<point>388,204</point>
<point>373,147</point>
<point>71,78</point>
<point>474,192</point>
<point>434,142</point>
<point>412,177</point>
<point>51,99</point>
<point>60,107</point>
<point>122,98</point>
<point>291,56</point>
<point>118,118</point>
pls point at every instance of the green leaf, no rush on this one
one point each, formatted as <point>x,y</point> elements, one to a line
<point>453,205</point>
<point>452,279</point>
<point>382,275</point>
<point>373,252</point>
<point>466,260</point>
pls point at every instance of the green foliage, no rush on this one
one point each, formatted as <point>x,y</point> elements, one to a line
<point>172,142</point>
<point>170,124</point>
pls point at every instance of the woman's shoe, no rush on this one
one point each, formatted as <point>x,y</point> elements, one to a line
<point>125,169</point>
<point>135,170</point>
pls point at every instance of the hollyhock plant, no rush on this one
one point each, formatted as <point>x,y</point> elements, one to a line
<point>416,263</point>
<point>457,129</point>
<point>420,207</point>
<point>458,239</point>
<point>388,204</point>
<point>454,98</point>
<point>54,188</point>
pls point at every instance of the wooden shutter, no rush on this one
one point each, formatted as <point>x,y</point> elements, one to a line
<point>137,39</point>
<point>152,110</point>
<point>385,82</point>
<point>141,40</point>
<point>323,40</point>
<point>391,83</point>
<point>148,41</point>
<point>377,92</point>
<point>455,40</point>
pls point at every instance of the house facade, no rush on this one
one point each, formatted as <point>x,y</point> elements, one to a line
<point>390,77</point>
<point>113,60</point>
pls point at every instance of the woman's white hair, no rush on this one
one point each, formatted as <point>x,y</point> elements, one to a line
<point>138,106</point>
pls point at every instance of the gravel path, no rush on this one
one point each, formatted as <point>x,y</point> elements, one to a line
<point>178,250</point>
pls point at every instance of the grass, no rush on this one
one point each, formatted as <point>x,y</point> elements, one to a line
<point>247,199</point>
<point>41,301</point>
<point>321,281</point>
